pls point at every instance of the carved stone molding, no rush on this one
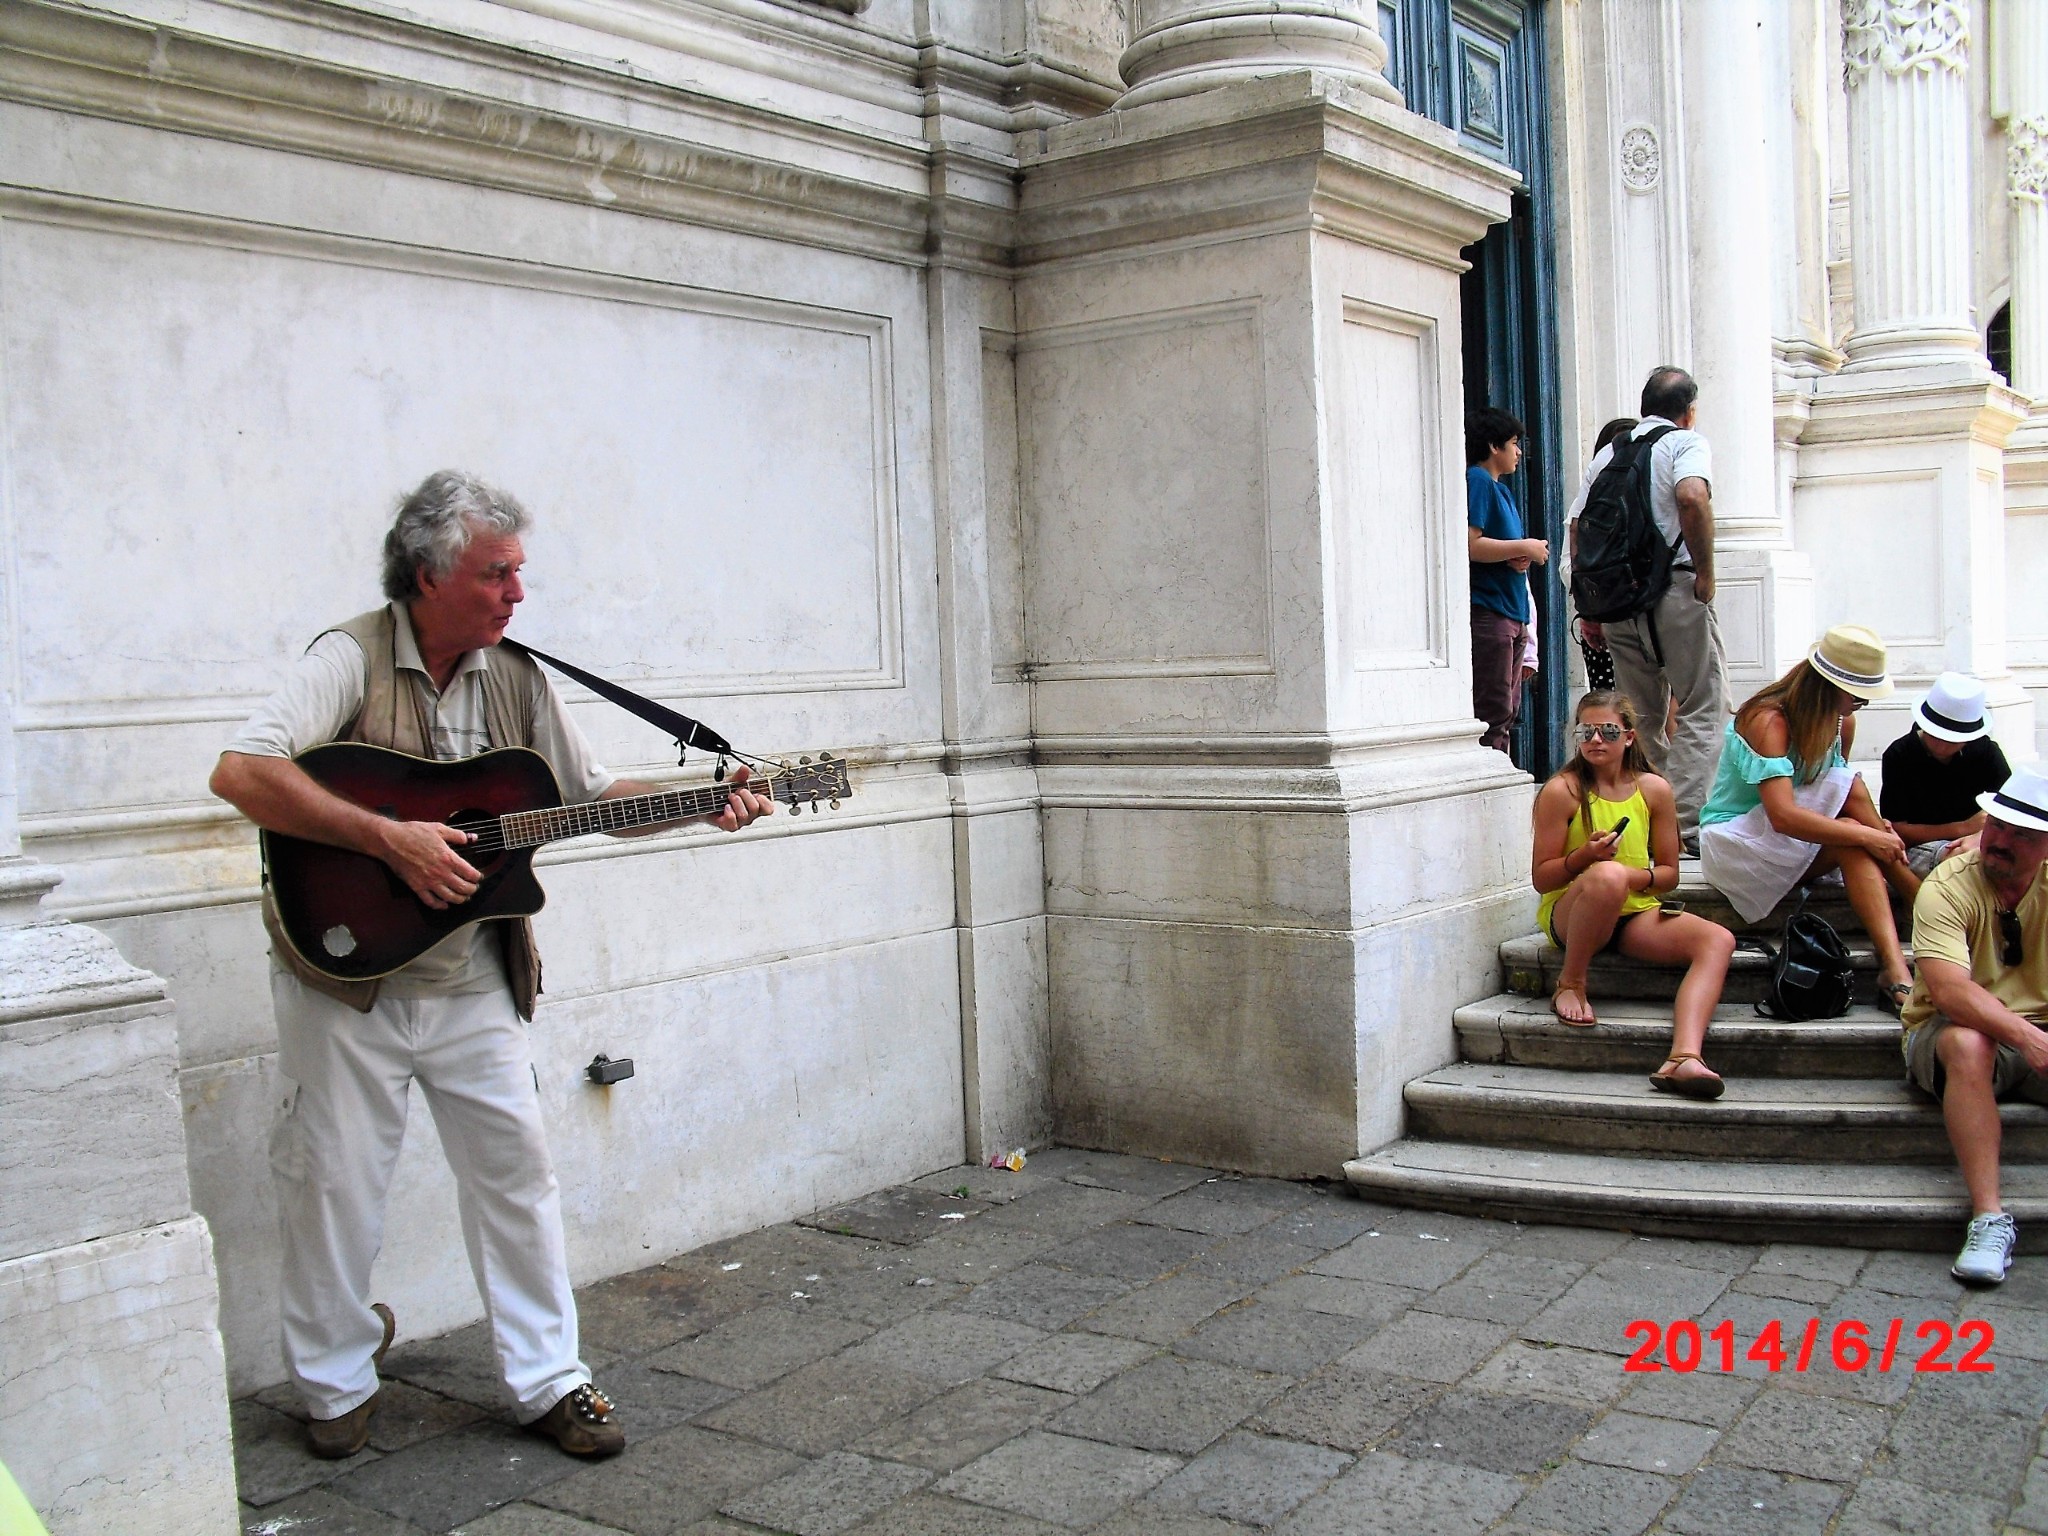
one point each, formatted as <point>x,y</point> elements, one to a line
<point>1898,36</point>
<point>2026,141</point>
<point>1642,159</point>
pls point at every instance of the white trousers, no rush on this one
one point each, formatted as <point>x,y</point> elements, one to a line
<point>333,1149</point>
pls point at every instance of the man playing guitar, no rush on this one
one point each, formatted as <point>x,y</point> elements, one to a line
<point>422,676</point>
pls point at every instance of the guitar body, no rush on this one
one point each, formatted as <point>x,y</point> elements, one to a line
<point>348,915</point>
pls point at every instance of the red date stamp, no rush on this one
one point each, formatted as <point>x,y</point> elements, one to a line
<point>1851,1345</point>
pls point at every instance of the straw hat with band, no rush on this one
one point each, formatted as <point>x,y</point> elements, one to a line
<point>2024,800</point>
<point>1953,709</point>
<point>1852,658</point>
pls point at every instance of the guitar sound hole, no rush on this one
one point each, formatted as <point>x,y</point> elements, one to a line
<point>481,824</point>
<point>338,941</point>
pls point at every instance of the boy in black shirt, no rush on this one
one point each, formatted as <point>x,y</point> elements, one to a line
<point>1934,773</point>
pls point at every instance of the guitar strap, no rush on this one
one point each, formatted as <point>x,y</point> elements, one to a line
<point>687,732</point>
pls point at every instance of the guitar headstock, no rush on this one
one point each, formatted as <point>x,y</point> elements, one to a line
<point>808,781</point>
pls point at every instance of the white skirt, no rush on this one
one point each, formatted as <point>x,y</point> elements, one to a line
<point>1752,863</point>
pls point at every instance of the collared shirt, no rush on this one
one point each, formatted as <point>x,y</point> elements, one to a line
<point>1678,455</point>
<point>324,692</point>
<point>1955,918</point>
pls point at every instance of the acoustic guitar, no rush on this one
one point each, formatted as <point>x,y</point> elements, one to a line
<point>350,916</point>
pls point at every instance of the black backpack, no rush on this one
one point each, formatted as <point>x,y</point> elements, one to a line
<point>1811,972</point>
<point>1620,562</point>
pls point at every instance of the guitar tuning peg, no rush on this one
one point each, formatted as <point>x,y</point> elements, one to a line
<point>814,805</point>
<point>803,760</point>
<point>833,803</point>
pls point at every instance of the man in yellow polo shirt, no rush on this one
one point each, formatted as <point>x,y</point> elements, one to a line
<point>1977,1022</point>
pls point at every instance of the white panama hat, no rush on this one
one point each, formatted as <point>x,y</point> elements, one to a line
<point>2024,800</point>
<point>1852,658</point>
<point>1953,709</point>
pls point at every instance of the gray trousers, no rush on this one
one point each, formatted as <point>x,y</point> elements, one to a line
<point>1694,672</point>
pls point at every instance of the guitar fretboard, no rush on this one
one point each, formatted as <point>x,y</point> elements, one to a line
<point>529,829</point>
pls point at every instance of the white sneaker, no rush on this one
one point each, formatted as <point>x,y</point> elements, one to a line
<point>1987,1249</point>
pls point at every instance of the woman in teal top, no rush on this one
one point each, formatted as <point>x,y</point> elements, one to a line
<point>1605,848</point>
<point>1785,807</point>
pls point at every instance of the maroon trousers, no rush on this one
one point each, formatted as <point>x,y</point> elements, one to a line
<point>1496,673</point>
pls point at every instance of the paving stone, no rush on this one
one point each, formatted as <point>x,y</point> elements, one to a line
<point>1130,1251</point>
<point>1161,1312</point>
<point>1934,1444</point>
<point>771,1258</point>
<point>2021,1333</point>
<point>1504,1288</point>
<point>1251,1478</point>
<point>977,1253</point>
<point>2017,1387</point>
<point>1670,1447</point>
<point>1575,1245</point>
<point>1581,1499</point>
<point>1284,1341</point>
<point>1601,1304</point>
<point>1222,1208</point>
<point>662,1483</point>
<point>1146,1520</point>
<point>319,1512</point>
<point>1347,1408</point>
<point>1147,1176</point>
<point>271,1459</point>
<point>522,1520</point>
<point>1074,1362</point>
<point>408,1415</point>
<point>1170,1404</point>
<point>1428,1346</point>
<point>832,1494</point>
<point>1837,1265</point>
<point>947,1346</point>
<point>1555,1370</point>
<point>993,1186</point>
<point>1736,1501</point>
<point>904,1214</point>
<point>2026,1284</point>
<point>821,1407</point>
<point>1065,1210</point>
<point>1251,1260</point>
<point>927,1514</point>
<point>1043,1297</point>
<point>1697,1397</point>
<point>1071,1482</point>
<point>1806,1436</point>
<point>458,1476</point>
<point>1329,1222</point>
<point>952,1430</point>
<point>1910,1274</point>
<point>1813,1293</point>
<point>650,1401</point>
<point>1387,1495</point>
<point>650,1309</point>
<point>1363,1299</point>
<point>2032,1513</point>
<point>887,1293</point>
<point>1728,1259</point>
<point>462,1365</point>
<point>1881,1506</point>
<point>1420,1259</point>
<point>1500,1434</point>
<point>760,1346</point>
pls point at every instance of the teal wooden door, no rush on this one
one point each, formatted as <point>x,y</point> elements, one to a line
<point>1477,67</point>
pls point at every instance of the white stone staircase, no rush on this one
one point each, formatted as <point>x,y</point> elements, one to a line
<point>1817,1139</point>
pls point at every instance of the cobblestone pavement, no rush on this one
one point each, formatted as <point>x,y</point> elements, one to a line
<point>1136,1348</point>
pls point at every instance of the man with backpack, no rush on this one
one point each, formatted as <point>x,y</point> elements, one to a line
<point>1642,539</point>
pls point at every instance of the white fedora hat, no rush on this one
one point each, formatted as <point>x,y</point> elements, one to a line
<point>2024,800</point>
<point>1953,708</point>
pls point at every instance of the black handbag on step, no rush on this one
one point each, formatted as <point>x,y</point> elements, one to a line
<point>1811,973</point>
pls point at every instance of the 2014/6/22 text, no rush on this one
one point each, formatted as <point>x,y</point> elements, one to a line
<point>1851,1345</point>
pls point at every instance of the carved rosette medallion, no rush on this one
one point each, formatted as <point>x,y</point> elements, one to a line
<point>2026,141</point>
<point>1642,159</point>
<point>1898,36</point>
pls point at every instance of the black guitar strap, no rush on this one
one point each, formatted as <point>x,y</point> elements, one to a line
<point>687,732</point>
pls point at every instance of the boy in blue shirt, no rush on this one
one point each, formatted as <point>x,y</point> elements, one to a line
<point>1500,555</point>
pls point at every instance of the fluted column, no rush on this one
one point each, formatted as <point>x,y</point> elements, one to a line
<point>1905,64</point>
<point>2026,136</point>
<point>1182,46</point>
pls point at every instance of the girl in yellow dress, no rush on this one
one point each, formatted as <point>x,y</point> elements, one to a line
<point>1606,847</point>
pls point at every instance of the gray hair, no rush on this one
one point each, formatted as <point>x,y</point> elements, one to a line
<point>435,524</point>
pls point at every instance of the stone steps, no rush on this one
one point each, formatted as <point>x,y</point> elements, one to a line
<point>1634,1035</point>
<point>1779,1119</point>
<point>1532,964</point>
<point>1879,1205</point>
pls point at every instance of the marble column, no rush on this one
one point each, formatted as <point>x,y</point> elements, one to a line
<point>1182,46</point>
<point>1763,586</point>
<point>2022,40</point>
<point>1900,493</point>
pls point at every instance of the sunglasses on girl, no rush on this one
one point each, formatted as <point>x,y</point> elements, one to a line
<point>1604,732</point>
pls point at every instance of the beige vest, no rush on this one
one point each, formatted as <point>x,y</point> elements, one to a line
<point>394,715</point>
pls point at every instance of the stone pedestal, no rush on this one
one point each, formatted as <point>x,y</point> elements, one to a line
<point>1276,857</point>
<point>1182,46</point>
<point>113,1402</point>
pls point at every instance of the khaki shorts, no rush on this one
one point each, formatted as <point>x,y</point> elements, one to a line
<point>2010,1074</point>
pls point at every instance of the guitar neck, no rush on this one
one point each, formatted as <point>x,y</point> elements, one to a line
<point>530,829</point>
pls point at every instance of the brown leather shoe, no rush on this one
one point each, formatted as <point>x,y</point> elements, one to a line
<point>582,1424</point>
<point>338,1439</point>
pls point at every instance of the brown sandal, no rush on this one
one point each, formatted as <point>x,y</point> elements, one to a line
<point>1581,993</point>
<point>1708,1087</point>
